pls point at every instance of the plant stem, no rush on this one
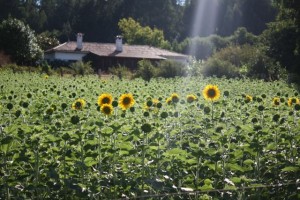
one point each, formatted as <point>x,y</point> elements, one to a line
<point>82,162</point>
<point>5,177</point>
<point>143,162</point>
<point>64,169</point>
<point>114,166</point>
<point>99,158</point>
<point>37,172</point>
<point>212,113</point>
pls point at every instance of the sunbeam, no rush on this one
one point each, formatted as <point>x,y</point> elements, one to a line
<point>204,21</point>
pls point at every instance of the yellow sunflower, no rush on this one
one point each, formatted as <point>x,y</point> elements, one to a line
<point>169,100</point>
<point>276,101</point>
<point>248,98</point>
<point>104,99</point>
<point>191,98</point>
<point>107,109</point>
<point>155,102</point>
<point>126,101</point>
<point>151,103</point>
<point>175,98</point>
<point>293,100</point>
<point>211,92</point>
<point>78,104</point>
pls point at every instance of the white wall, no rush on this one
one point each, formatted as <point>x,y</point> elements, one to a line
<point>69,56</point>
<point>65,56</point>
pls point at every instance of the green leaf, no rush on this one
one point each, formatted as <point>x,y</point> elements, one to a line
<point>238,154</point>
<point>234,167</point>
<point>176,151</point>
<point>248,162</point>
<point>107,130</point>
<point>126,146</point>
<point>290,169</point>
<point>90,161</point>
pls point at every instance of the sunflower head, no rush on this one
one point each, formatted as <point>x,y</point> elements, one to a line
<point>292,101</point>
<point>104,99</point>
<point>191,98</point>
<point>175,98</point>
<point>155,102</point>
<point>248,98</point>
<point>107,109</point>
<point>276,101</point>
<point>126,101</point>
<point>211,92</point>
<point>78,104</point>
<point>169,100</point>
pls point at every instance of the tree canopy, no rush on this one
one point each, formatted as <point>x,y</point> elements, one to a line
<point>19,41</point>
<point>99,19</point>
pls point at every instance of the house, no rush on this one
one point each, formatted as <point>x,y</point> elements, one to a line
<point>105,55</point>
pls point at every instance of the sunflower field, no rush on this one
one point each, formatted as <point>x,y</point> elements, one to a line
<point>181,138</point>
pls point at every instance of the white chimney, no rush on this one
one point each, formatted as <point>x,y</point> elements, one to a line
<point>119,43</point>
<point>79,40</point>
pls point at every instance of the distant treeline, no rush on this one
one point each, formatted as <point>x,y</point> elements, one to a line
<point>98,20</point>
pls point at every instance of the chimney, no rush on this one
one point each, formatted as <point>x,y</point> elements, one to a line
<point>119,43</point>
<point>79,40</point>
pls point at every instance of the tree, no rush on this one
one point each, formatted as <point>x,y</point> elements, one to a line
<point>134,33</point>
<point>47,40</point>
<point>165,15</point>
<point>19,41</point>
<point>283,36</point>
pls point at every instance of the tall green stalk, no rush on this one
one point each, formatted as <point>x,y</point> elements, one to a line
<point>37,173</point>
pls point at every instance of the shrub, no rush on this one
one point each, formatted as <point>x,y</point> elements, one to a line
<point>170,69</point>
<point>82,68</point>
<point>20,69</point>
<point>146,70</point>
<point>194,67</point>
<point>120,71</point>
<point>247,60</point>
<point>219,68</point>
<point>241,36</point>
<point>45,68</point>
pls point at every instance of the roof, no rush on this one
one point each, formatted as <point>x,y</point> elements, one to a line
<point>109,50</point>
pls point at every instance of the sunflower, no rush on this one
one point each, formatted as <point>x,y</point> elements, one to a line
<point>175,98</point>
<point>78,104</point>
<point>107,109</point>
<point>151,104</point>
<point>293,101</point>
<point>248,98</point>
<point>169,100</point>
<point>276,101</point>
<point>155,102</point>
<point>126,101</point>
<point>191,98</point>
<point>104,99</point>
<point>211,92</point>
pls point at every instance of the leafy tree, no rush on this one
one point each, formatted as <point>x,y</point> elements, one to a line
<point>165,15</point>
<point>283,36</point>
<point>48,40</point>
<point>136,34</point>
<point>19,41</point>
